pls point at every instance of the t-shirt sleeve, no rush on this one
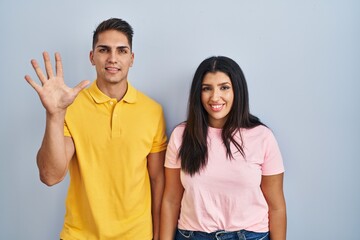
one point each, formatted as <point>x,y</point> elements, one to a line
<point>171,158</point>
<point>273,162</point>
<point>66,131</point>
<point>160,139</point>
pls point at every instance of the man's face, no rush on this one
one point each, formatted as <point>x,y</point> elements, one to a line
<point>112,57</point>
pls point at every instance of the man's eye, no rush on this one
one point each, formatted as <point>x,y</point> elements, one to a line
<point>102,50</point>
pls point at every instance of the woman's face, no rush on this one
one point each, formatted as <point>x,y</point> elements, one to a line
<point>217,97</point>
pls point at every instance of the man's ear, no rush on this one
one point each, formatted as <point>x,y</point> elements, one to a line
<point>91,57</point>
<point>132,59</point>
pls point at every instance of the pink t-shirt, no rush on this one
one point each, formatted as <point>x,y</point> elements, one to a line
<point>226,195</point>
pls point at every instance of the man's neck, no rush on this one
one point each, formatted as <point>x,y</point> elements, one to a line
<point>115,90</point>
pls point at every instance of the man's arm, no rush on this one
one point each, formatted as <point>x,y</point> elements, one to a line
<point>56,150</point>
<point>157,181</point>
<point>272,188</point>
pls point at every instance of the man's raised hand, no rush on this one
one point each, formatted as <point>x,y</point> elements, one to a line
<point>54,94</point>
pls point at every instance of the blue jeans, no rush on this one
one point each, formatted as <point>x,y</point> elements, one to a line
<point>221,235</point>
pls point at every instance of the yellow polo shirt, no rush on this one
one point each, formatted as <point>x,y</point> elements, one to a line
<point>109,195</point>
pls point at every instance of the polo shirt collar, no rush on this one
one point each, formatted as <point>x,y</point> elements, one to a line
<point>100,97</point>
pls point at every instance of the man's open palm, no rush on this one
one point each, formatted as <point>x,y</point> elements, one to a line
<point>54,94</point>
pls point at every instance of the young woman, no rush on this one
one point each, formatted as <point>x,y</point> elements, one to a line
<point>223,167</point>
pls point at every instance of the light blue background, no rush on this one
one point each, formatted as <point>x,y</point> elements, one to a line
<point>301,60</point>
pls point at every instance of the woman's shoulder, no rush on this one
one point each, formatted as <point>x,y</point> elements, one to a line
<point>179,129</point>
<point>260,130</point>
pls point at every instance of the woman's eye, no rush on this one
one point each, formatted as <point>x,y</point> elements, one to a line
<point>225,87</point>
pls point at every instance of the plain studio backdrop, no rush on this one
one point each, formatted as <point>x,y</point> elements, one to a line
<point>301,60</point>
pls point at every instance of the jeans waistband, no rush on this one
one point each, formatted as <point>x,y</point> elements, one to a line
<point>223,235</point>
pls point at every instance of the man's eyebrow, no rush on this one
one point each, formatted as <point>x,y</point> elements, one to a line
<point>105,46</point>
<point>102,46</point>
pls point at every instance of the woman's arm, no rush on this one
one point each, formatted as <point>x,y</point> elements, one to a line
<point>171,203</point>
<point>272,188</point>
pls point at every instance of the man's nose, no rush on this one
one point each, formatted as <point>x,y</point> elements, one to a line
<point>112,57</point>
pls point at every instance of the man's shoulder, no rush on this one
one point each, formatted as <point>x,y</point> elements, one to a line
<point>143,98</point>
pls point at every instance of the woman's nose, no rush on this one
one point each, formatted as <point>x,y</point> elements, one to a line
<point>215,95</point>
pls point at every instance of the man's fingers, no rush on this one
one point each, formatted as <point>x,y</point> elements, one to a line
<point>48,66</point>
<point>58,65</point>
<point>38,71</point>
<point>81,86</point>
<point>32,83</point>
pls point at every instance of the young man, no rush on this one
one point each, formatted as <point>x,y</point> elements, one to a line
<point>110,137</point>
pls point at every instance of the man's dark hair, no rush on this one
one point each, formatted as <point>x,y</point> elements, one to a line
<point>114,24</point>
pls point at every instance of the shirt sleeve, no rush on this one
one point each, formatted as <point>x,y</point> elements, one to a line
<point>273,162</point>
<point>160,139</point>
<point>171,159</point>
<point>66,131</point>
